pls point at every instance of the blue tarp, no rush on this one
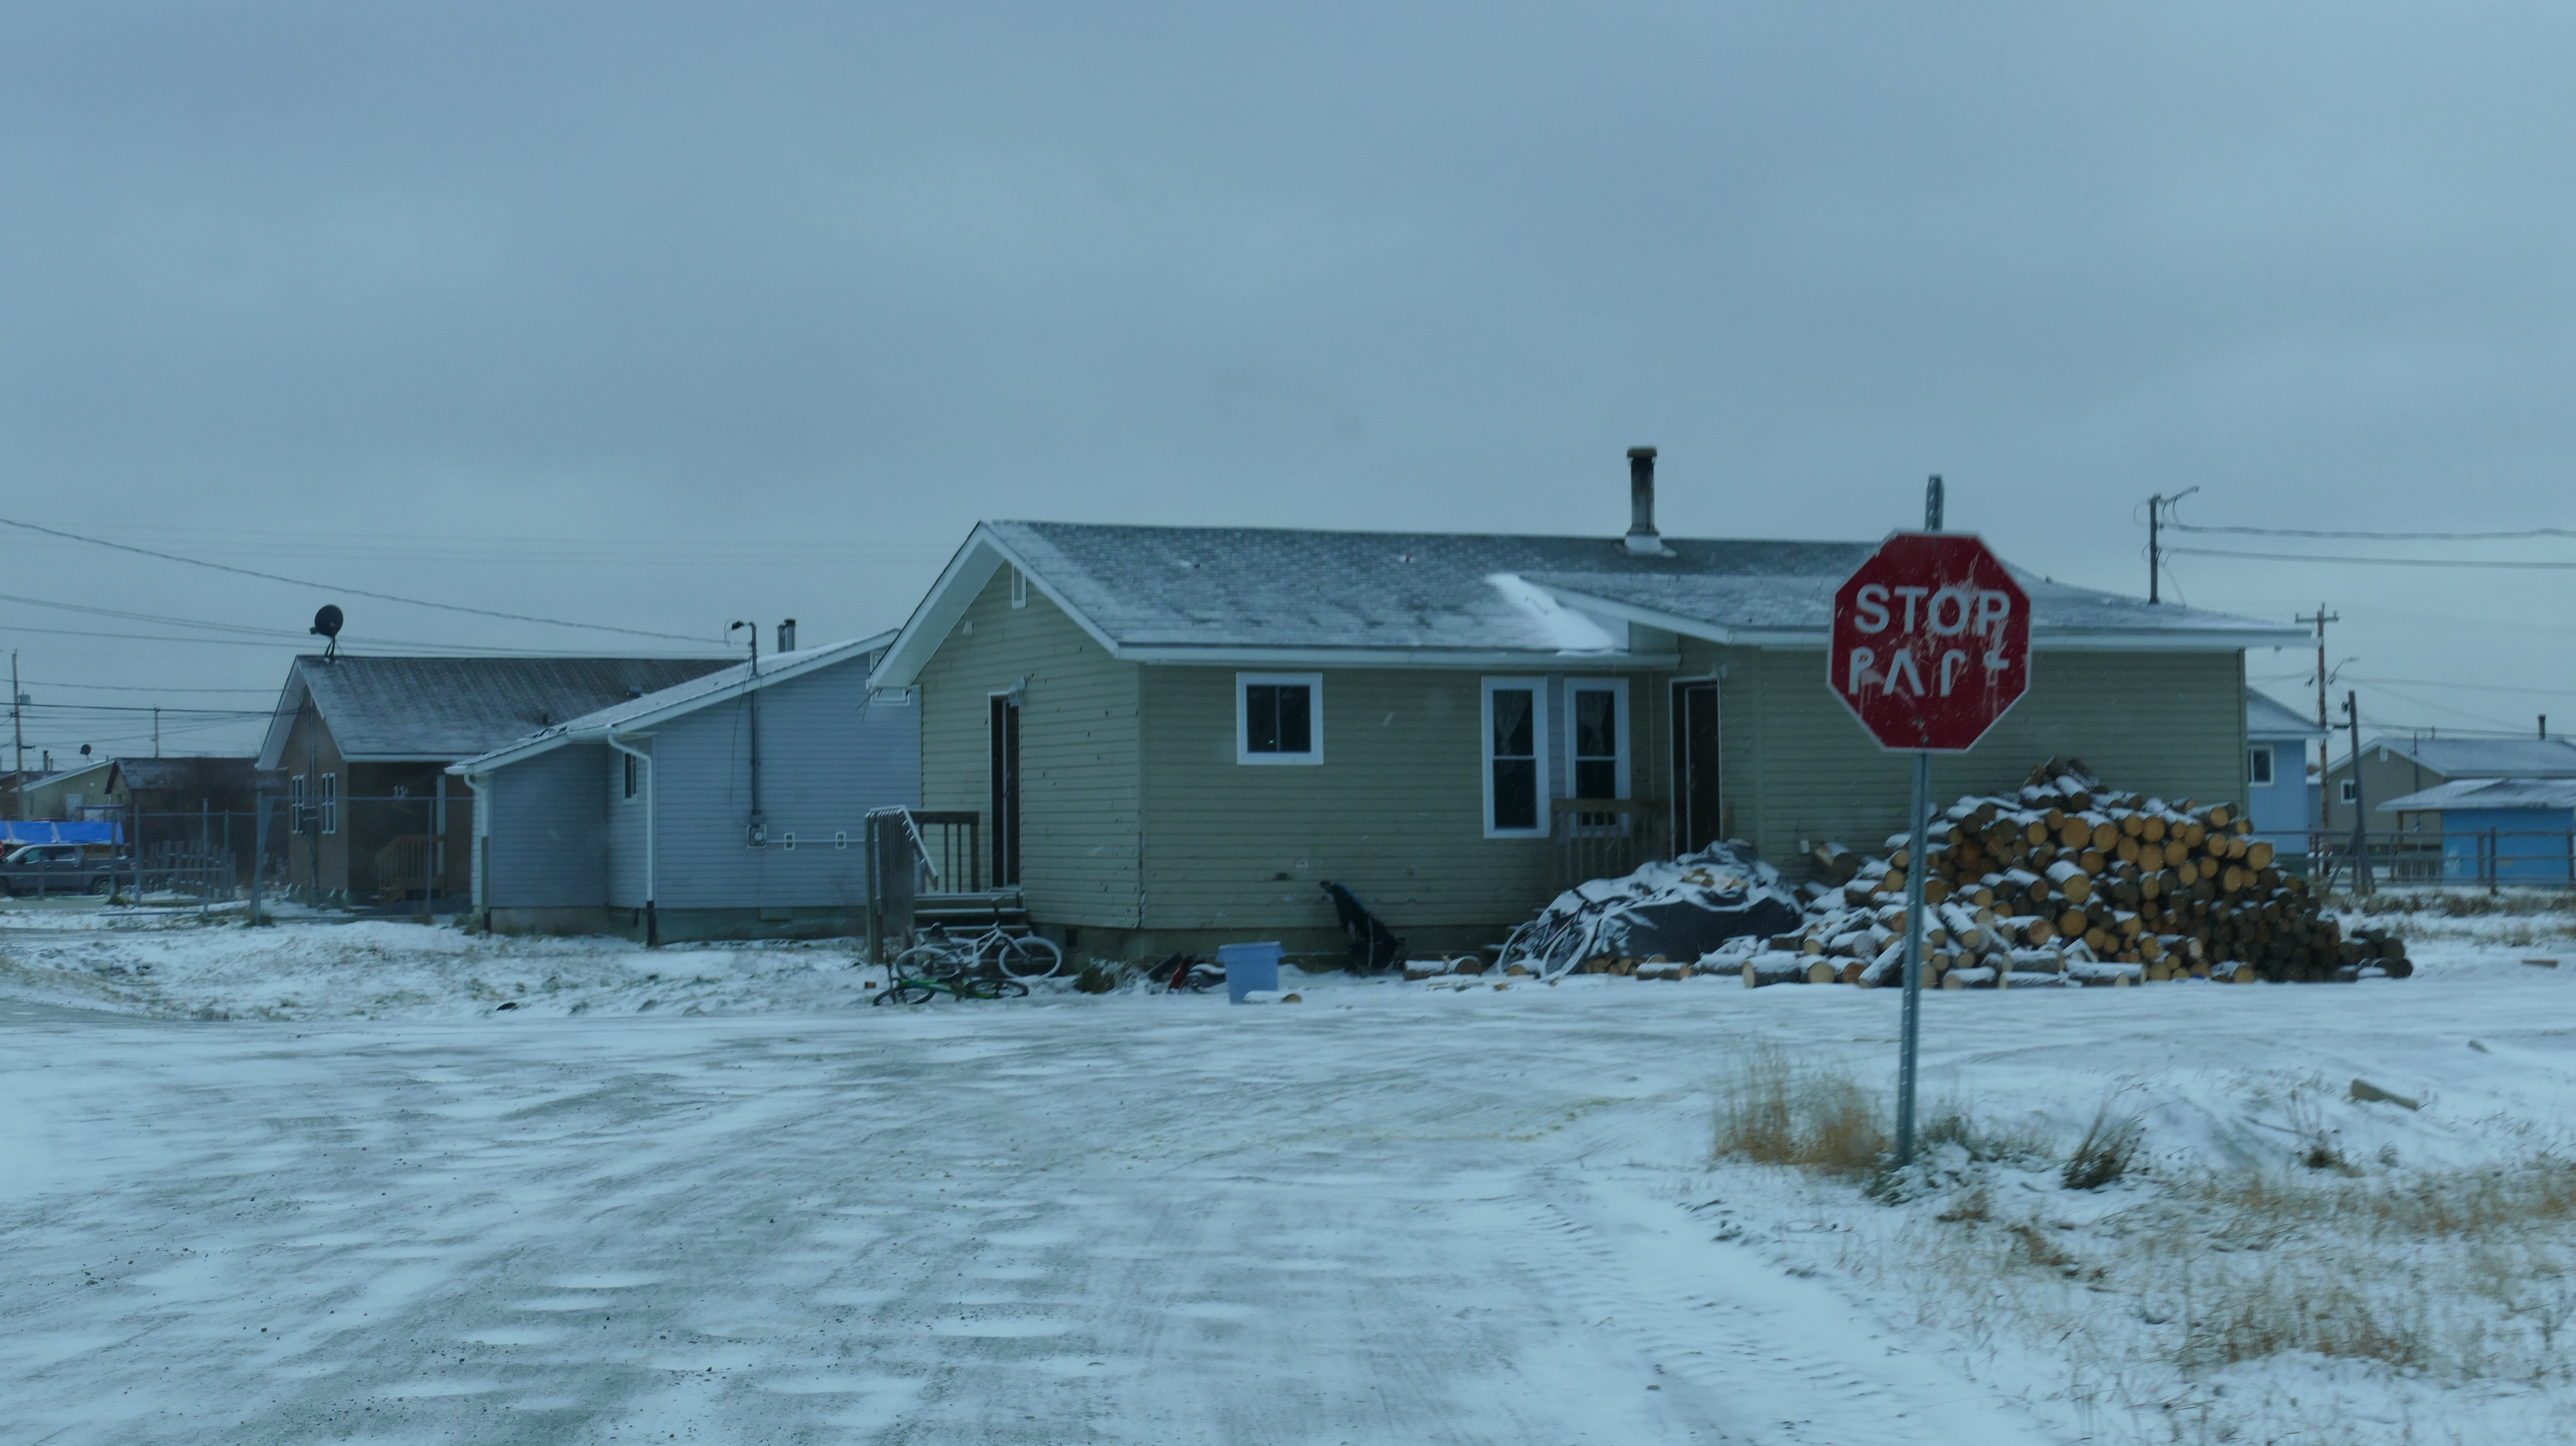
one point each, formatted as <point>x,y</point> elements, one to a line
<point>45,830</point>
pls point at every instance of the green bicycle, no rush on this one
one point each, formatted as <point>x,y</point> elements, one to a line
<point>954,975</point>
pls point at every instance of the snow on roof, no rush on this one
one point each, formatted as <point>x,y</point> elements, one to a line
<point>2484,757</point>
<point>1157,593</point>
<point>2488,793</point>
<point>441,709</point>
<point>2268,717</point>
<point>676,700</point>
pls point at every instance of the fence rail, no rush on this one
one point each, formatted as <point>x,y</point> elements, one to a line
<point>1602,838</point>
<point>2533,858</point>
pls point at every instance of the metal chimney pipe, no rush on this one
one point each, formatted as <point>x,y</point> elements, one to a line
<point>787,636</point>
<point>1643,540</point>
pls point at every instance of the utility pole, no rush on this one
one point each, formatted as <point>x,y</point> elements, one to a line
<point>2325,745</point>
<point>156,732</point>
<point>2156,506</point>
<point>17,707</point>
<point>2360,804</point>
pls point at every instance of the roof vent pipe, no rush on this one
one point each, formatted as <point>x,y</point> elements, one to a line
<point>787,636</point>
<point>1643,540</point>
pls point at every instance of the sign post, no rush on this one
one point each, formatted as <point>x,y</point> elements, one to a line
<point>1930,646</point>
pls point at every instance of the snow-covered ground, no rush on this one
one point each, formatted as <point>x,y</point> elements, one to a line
<point>312,1182</point>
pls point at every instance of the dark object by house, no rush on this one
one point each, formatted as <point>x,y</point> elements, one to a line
<point>1373,945</point>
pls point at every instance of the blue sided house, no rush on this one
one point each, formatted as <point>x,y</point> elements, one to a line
<point>2501,830</point>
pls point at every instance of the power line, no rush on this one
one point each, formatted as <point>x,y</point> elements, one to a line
<point>133,687</point>
<point>351,591</point>
<point>2476,687</point>
<point>2527,532</point>
<point>2375,561</point>
<point>441,649</point>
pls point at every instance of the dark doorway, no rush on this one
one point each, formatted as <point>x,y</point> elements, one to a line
<point>1700,818</point>
<point>1006,791</point>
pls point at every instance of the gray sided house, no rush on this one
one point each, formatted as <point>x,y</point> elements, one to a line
<point>1173,735</point>
<point>363,744</point>
<point>731,806</point>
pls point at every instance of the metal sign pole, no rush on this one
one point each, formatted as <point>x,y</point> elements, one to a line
<point>1914,879</point>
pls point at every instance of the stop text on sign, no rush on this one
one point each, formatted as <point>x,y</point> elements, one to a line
<point>1976,616</point>
<point>1930,642</point>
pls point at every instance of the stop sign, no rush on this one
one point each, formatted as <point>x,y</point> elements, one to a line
<point>1931,641</point>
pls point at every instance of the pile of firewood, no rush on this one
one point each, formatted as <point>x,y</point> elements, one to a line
<point>2070,882</point>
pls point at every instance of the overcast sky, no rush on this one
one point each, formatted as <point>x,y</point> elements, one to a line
<point>661,316</point>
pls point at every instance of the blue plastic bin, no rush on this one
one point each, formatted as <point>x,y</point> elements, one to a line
<point>1248,967</point>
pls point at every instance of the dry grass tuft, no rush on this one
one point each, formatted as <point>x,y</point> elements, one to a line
<point>1773,1111</point>
<point>2107,1152</point>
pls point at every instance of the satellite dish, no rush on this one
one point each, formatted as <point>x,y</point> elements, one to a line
<point>326,624</point>
<point>84,750</point>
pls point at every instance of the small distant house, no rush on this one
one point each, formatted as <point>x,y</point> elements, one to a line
<point>2393,768</point>
<point>728,806</point>
<point>364,744</point>
<point>172,796</point>
<point>2281,789</point>
<point>1174,735</point>
<point>71,794</point>
<point>2500,830</point>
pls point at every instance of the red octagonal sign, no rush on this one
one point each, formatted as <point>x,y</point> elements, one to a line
<point>1931,641</point>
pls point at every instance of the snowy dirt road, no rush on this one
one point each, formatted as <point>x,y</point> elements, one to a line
<point>1140,1220</point>
<point>1387,1215</point>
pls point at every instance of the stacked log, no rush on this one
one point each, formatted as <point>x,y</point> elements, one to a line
<point>2070,883</point>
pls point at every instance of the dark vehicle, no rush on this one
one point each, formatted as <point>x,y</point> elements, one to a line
<point>66,868</point>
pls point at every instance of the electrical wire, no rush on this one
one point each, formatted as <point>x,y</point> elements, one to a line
<point>131,687</point>
<point>351,591</point>
<point>2374,561</point>
<point>2528,532</point>
<point>460,650</point>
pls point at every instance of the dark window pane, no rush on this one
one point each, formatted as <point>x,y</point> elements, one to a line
<point>1596,726</point>
<point>1296,718</point>
<point>1515,790</point>
<point>1261,718</point>
<point>1596,778</point>
<point>1515,711</point>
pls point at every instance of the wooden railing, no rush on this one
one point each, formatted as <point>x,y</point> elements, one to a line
<point>1602,838</point>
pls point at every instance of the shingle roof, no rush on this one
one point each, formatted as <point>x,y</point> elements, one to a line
<point>152,774</point>
<point>2268,717</point>
<point>2488,793</point>
<point>2486,757</point>
<point>1223,587</point>
<point>442,709</point>
<point>678,699</point>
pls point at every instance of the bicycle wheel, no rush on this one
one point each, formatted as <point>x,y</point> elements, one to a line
<point>936,960</point>
<point>907,991</point>
<point>992,989</point>
<point>1028,957</point>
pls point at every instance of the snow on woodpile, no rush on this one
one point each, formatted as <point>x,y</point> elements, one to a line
<point>2068,882</point>
<point>1656,922</point>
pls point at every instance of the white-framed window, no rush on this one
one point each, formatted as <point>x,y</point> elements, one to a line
<point>299,802</point>
<point>1278,717</point>
<point>1596,738</point>
<point>1019,588</point>
<point>1515,749</point>
<point>2258,765</point>
<point>634,780</point>
<point>2347,790</point>
<point>330,803</point>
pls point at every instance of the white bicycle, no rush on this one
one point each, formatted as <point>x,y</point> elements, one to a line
<point>942,955</point>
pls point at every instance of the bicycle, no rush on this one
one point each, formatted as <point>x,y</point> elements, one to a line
<point>963,986</point>
<point>1017,956</point>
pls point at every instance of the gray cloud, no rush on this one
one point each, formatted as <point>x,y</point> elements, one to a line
<point>452,299</point>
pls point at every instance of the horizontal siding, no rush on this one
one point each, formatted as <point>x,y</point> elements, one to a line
<point>1798,768</point>
<point>1078,750</point>
<point>1395,811</point>
<point>549,832</point>
<point>828,756</point>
